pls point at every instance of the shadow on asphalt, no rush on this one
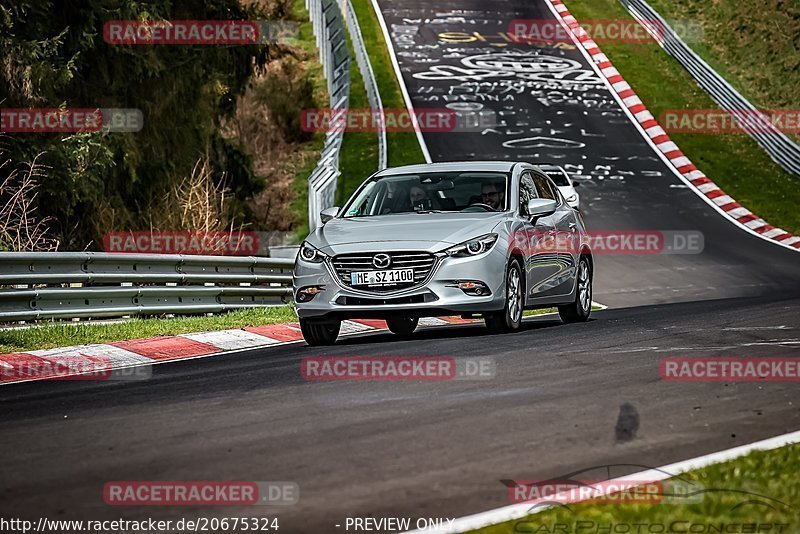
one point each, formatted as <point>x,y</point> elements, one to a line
<point>452,331</point>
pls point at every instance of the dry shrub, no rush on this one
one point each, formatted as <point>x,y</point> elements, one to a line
<point>20,228</point>
<point>194,204</point>
<point>267,124</point>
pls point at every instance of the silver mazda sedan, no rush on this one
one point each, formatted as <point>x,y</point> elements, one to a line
<point>486,239</point>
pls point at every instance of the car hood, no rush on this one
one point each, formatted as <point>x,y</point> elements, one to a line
<point>431,232</point>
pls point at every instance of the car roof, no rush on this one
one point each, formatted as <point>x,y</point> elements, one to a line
<point>550,167</point>
<point>471,166</point>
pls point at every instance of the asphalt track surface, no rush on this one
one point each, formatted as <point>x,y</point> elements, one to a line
<point>565,397</point>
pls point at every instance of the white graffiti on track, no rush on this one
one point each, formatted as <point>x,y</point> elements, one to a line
<point>451,72</point>
<point>521,62</point>
<point>542,142</point>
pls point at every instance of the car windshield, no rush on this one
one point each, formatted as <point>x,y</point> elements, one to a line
<point>430,193</point>
<point>558,176</point>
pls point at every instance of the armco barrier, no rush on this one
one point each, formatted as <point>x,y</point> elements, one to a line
<point>52,285</point>
<point>777,145</point>
<point>329,30</point>
<point>371,85</point>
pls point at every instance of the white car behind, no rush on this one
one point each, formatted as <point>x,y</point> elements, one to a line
<point>564,184</point>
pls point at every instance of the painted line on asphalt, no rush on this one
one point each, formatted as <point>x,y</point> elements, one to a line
<point>661,143</point>
<point>126,354</point>
<point>518,511</point>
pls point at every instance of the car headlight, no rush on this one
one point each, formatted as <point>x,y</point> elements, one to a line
<point>473,247</point>
<point>311,254</point>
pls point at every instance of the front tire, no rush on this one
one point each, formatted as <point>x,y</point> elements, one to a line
<point>320,333</point>
<point>579,311</point>
<point>510,318</point>
<point>402,326</point>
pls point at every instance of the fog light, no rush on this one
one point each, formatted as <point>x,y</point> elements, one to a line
<point>472,287</point>
<point>306,294</point>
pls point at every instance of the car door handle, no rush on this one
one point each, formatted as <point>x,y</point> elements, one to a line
<point>573,226</point>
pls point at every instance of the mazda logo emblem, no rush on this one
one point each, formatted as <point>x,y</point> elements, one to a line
<point>381,261</point>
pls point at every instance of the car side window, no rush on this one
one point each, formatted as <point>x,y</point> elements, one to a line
<point>527,191</point>
<point>544,188</point>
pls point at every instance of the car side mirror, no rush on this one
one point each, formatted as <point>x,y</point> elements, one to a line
<point>538,207</point>
<point>328,213</point>
<point>575,184</point>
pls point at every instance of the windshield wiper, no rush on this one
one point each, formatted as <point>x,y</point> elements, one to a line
<point>428,211</point>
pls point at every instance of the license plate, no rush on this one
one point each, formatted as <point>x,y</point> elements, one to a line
<point>380,278</point>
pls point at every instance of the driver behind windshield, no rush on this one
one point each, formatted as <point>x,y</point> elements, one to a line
<point>420,200</point>
<point>493,195</point>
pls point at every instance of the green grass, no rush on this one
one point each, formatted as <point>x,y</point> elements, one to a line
<point>65,334</point>
<point>306,161</point>
<point>770,474</point>
<point>752,43</point>
<point>59,334</point>
<point>733,161</point>
<point>359,155</point>
<point>403,147</point>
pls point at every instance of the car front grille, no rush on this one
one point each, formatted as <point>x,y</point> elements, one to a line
<point>421,262</point>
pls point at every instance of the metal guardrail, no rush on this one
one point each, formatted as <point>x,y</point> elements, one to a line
<point>57,285</point>
<point>329,30</point>
<point>775,143</point>
<point>371,85</point>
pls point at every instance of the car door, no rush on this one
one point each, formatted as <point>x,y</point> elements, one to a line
<point>555,259</point>
<point>538,235</point>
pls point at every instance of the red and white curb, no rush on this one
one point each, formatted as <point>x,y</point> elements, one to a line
<point>62,363</point>
<point>701,184</point>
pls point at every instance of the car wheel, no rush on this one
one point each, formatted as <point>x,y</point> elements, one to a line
<point>510,318</point>
<point>579,310</point>
<point>318,332</point>
<point>402,326</point>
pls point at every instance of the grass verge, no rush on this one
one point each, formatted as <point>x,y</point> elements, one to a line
<point>402,147</point>
<point>58,334</point>
<point>359,155</point>
<point>733,161</point>
<point>65,334</point>
<point>759,489</point>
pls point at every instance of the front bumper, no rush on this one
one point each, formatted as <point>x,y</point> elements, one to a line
<point>436,296</point>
